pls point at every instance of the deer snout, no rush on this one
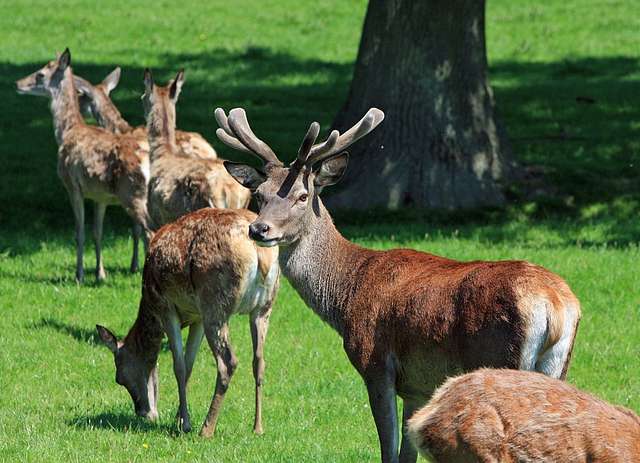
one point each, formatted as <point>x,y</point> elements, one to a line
<point>260,233</point>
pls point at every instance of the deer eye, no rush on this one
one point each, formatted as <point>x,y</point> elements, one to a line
<point>303,197</point>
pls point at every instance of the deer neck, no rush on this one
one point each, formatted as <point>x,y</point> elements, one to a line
<point>161,127</point>
<point>145,336</point>
<point>65,106</point>
<point>110,118</point>
<point>319,265</point>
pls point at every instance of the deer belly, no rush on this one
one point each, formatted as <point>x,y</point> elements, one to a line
<point>421,372</point>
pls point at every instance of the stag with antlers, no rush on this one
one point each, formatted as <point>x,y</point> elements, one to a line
<point>408,319</point>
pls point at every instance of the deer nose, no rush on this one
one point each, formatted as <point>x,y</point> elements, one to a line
<point>258,231</point>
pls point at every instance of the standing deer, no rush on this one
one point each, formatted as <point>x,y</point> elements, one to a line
<point>180,184</point>
<point>200,270</point>
<point>93,163</point>
<point>517,416</point>
<point>408,319</point>
<point>95,100</point>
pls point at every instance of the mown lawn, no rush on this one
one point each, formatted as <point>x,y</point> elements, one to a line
<point>566,75</point>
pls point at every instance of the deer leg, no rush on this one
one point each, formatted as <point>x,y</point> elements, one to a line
<point>382,397</point>
<point>408,453</point>
<point>77,204</point>
<point>217,334</point>
<point>259,326</point>
<point>98,222</point>
<point>196,333</point>
<point>172,328</point>
<point>136,231</point>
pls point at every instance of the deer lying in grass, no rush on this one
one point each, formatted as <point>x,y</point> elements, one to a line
<point>93,163</point>
<point>180,184</point>
<point>516,416</point>
<point>95,100</point>
<point>408,319</point>
<point>200,270</point>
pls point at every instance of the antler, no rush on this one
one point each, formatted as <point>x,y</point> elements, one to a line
<point>335,143</point>
<point>235,132</point>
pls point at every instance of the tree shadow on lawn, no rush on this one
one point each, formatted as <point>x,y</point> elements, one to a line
<point>577,119</point>
<point>122,422</point>
<point>67,279</point>
<point>80,334</point>
<point>84,335</point>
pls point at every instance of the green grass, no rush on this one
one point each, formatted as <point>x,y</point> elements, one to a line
<point>290,64</point>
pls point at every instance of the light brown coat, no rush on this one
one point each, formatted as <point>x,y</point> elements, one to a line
<point>93,163</point>
<point>180,184</point>
<point>200,271</point>
<point>516,416</point>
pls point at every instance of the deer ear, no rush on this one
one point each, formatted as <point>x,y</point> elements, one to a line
<point>111,81</point>
<point>176,85</point>
<point>148,81</point>
<point>247,176</point>
<point>64,60</point>
<point>331,170</point>
<point>108,338</point>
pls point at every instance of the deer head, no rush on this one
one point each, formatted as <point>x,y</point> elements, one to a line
<point>138,375</point>
<point>45,80</point>
<point>94,99</point>
<point>156,95</point>
<point>288,197</point>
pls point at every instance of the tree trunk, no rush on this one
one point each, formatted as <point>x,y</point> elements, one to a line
<point>424,63</point>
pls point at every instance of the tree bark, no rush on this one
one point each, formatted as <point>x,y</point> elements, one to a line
<point>424,63</point>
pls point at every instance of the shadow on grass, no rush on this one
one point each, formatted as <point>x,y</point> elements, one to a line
<point>80,334</point>
<point>121,422</point>
<point>576,119</point>
<point>88,336</point>
<point>68,280</point>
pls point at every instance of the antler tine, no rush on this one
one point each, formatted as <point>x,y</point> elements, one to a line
<point>225,134</point>
<point>336,143</point>
<point>239,125</point>
<point>306,145</point>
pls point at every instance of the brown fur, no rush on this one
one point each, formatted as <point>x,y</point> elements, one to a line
<point>517,416</point>
<point>95,100</point>
<point>93,163</point>
<point>180,184</point>
<point>408,319</point>
<point>201,269</point>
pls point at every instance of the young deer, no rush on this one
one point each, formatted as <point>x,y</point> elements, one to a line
<point>93,163</point>
<point>200,270</point>
<point>408,319</point>
<point>180,184</point>
<point>517,416</point>
<point>95,100</point>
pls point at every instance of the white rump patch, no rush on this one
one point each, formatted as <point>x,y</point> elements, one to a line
<point>536,335</point>
<point>551,363</point>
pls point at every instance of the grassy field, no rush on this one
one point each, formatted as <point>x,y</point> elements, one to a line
<point>289,64</point>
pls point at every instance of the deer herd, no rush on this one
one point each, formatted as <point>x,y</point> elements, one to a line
<point>410,321</point>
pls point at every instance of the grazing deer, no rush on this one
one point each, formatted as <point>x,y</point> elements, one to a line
<point>93,163</point>
<point>408,319</point>
<point>518,416</point>
<point>95,100</point>
<point>200,270</point>
<point>180,184</point>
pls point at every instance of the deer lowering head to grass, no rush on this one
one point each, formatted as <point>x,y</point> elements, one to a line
<point>200,270</point>
<point>408,319</point>
<point>95,100</point>
<point>518,416</point>
<point>93,163</point>
<point>180,184</point>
